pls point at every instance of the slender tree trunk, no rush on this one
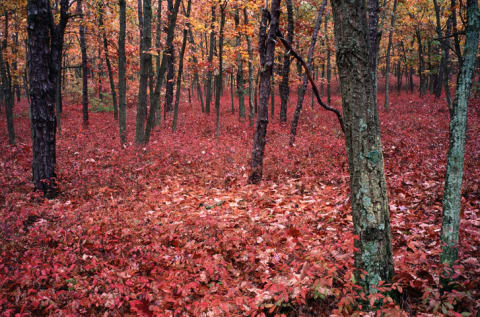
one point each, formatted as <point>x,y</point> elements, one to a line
<point>329,65</point>
<point>266,48</point>
<point>166,59</point>
<point>240,83</point>
<point>211,51</point>
<point>272,95</point>
<point>219,77</point>
<point>373,255</point>
<point>145,18</point>
<point>456,152</point>
<point>7,89</point>
<point>180,69</point>
<point>301,92</point>
<point>389,48</point>
<point>83,49</point>
<point>231,93</point>
<point>107,60</point>
<point>250,71</point>
<point>155,101</point>
<point>196,78</point>
<point>420,62</point>
<point>122,84</point>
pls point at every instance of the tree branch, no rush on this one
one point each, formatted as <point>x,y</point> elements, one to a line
<point>292,52</point>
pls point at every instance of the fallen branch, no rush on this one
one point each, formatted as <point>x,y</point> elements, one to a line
<point>292,52</point>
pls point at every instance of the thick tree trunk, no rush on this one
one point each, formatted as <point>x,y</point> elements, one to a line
<point>303,87</point>
<point>356,42</point>
<point>456,151</point>
<point>45,44</point>
<point>122,106</point>
<point>266,48</point>
<point>211,51</point>
<point>83,49</point>
<point>219,77</point>
<point>389,49</point>
<point>180,69</point>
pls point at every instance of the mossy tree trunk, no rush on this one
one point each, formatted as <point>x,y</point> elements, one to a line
<point>357,44</point>
<point>456,151</point>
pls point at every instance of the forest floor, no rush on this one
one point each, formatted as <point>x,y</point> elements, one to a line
<point>173,228</point>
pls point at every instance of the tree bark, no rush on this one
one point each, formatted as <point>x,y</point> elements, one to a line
<point>45,44</point>
<point>357,41</point>
<point>456,151</point>
<point>266,48</point>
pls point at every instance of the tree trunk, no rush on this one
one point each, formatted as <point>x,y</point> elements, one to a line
<point>45,44</point>
<point>266,48</point>
<point>456,151</point>
<point>166,59</point>
<point>329,66</point>
<point>107,60</point>
<point>240,84</point>
<point>420,63</point>
<point>196,79</point>
<point>211,51</point>
<point>389,48</point>
<point>7,89</point>
<point>357,42</point>
<point>83,49</point>
<point>145,19</point>
<point>250,71</point>
<point>303,87</point>
<point>180,69</point>
<point>122,84</point>
<point>219,77</point>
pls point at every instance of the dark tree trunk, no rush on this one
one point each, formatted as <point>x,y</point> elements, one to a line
<point>145,18</point>
<point>196,78</point>
<point>83,49</point>
<point>357,44</point>
<point>122,107</point>
<point>6,87</point>
<point>266,48</point>
<point>170,79</point>
<point>303,87</point>
<point>166,59</point>
<point>219,77</point>
<point>45,44</point>
<point>421,87</point>
<point>180,69</point>
<point>211,51</point>
<point>329,66</point>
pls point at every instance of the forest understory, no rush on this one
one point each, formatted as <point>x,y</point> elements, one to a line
<point>173,228</point>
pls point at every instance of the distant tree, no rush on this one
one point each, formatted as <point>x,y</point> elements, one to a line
<point>6,84</point>
<point>266,48</point>
<point>356,37</point>
<point>145,25</point>
<point>456,151</point>
<point>45,45</point>
<point>122,81</point>
<point>83,49</point>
